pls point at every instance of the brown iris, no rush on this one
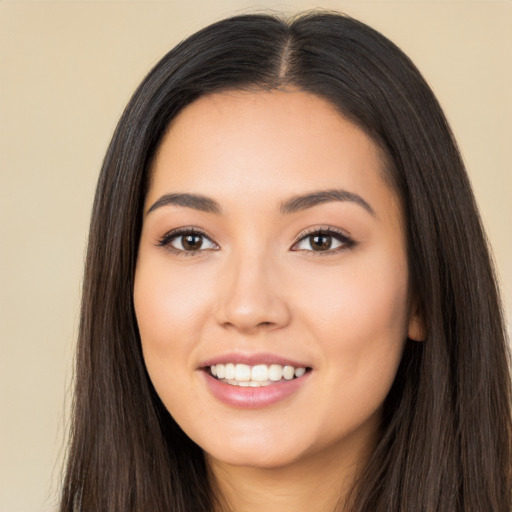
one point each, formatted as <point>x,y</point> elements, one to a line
<point>192,242</point>
<point>320,242</point>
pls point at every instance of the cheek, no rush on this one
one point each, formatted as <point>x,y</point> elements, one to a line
<point>357,302</point>
<point>169,304</point>
<point>359,318</point>
<point>170,307</point>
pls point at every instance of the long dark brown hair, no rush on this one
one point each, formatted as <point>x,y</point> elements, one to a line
<point>446,430</point>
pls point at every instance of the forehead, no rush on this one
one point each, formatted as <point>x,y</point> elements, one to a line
<point>270,145</point>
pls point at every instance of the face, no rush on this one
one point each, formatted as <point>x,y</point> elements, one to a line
<point>271,288</point>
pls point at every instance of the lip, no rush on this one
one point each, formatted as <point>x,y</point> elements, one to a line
<point>253,398</point>
<point>252,360</point>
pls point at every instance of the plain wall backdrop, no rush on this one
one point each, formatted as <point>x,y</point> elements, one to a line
<point>67,69</point>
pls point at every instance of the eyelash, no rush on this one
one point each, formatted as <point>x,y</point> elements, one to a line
<point>169,237</point>
<point>328,231</point>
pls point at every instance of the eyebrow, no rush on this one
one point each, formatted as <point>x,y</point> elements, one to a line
<point>305,201</point>
<point>195,201</point>
<point>292,205</point>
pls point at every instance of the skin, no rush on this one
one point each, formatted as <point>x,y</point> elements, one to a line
<point>256,285</point>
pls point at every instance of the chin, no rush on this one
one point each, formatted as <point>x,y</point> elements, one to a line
<point>256,460</point>
<point>260,453</point>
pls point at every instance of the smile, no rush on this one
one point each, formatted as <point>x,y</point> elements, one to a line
<point>255,376</point>
<point>257,382</point>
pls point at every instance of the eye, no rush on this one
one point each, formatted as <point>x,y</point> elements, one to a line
<point>323,240</point>
<point>187,241</point>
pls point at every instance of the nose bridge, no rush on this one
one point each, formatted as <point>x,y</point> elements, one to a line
<point>251,296</point>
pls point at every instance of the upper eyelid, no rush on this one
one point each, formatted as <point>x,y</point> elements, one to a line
<point>321,229</point>
<point>168,235</point>
<point>346,240</point>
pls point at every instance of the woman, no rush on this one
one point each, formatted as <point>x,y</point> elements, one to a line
<point>288,299</point>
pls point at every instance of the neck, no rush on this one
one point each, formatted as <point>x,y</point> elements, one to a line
<point>318,484</point>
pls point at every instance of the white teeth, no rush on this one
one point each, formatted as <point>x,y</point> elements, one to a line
<point>288,372</point>
<point>275,372</point>
<point>259,373</point>
<point>255,376</point>
<point>230,371</point>
<point>242,372</point>
<point>299,372</point>
<point>221,371</point>
<point>244,384</point>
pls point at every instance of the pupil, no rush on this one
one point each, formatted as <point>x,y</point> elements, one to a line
<point>320,242</point>
<point>192,242</point>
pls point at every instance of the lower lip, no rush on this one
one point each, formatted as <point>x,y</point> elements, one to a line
<point>254,398</point>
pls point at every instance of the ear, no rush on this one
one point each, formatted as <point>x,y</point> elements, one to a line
<point>416,329</point>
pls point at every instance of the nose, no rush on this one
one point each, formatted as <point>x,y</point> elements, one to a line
<point>252,297</point>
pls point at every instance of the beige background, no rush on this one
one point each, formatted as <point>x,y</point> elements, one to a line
<point>66,71</point>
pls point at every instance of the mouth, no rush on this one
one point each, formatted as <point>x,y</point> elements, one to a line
<point>254,381</point>
<point>256,376</point>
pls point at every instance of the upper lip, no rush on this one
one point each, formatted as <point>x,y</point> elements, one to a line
<point>253,359</point>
